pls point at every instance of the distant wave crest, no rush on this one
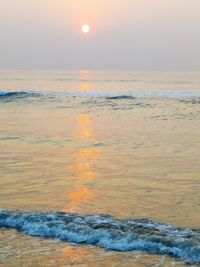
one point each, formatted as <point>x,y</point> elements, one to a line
<point>119,97</point>
<point>9,96</point>
<point>109,233</point>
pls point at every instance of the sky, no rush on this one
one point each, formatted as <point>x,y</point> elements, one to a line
<point>125,34</point>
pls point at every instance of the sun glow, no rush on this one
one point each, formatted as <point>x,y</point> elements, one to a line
<point>85,28</point>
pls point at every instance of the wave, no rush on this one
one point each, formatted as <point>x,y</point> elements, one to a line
<point>10,96</point>
<point>183,96</point>
<point>122,94</point>
<point>118,97</point>
<point>140,235</point>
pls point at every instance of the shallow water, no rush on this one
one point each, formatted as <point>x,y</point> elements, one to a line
<point>124,144</point>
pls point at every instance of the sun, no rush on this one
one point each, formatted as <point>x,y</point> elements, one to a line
<point>85,28</point>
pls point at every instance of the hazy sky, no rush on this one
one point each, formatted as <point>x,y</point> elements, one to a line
<point>126,34</point>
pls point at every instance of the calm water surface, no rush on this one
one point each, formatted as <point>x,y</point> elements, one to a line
<point>123,144</point>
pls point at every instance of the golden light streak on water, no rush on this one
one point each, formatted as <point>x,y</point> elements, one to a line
<point>83,167</point>
<point>85,87</point>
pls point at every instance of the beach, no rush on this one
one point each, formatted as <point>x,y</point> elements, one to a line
<point>114,145</point>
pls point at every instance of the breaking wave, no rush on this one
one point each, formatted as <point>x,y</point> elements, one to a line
<point>140,235</point>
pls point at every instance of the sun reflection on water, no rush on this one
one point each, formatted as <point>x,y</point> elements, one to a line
<point>85,87</point>
<point>85,156</point>
<point>75,255</point>
<point>85,132</point>
<point>84,159</point>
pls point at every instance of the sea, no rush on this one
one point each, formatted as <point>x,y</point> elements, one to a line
<point>99,168</point>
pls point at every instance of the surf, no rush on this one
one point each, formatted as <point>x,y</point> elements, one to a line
<point>141,235</point>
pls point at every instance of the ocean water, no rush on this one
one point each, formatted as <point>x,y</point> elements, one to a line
<point>99,168</point>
